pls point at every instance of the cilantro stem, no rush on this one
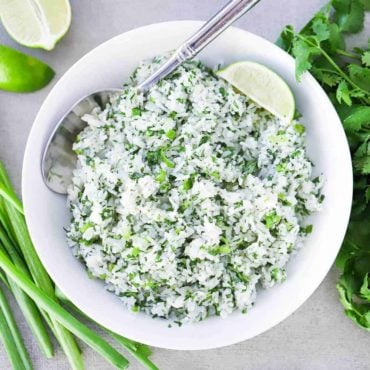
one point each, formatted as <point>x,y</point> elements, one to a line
<point>338,69</point>
<point>345,76</point>
<point>329,71</point>
<point>348,54</point>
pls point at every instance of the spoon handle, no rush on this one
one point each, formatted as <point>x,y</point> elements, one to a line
<point>232,11</point>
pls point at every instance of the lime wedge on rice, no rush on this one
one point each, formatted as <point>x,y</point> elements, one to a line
<point>36,23</point>
<point>263,86</point>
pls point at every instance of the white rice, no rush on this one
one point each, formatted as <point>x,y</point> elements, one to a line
<point>188,198</point>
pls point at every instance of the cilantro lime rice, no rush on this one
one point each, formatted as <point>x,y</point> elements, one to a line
<point>189,198</point>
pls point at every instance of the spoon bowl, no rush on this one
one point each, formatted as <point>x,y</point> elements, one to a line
<point>59,159</point>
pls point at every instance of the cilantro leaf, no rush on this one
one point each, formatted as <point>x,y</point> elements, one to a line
<point>326,78</point>
<point>360,76</point>
<point>336,40</point>
<point>366,4</point>
<point>361,160</point>
<point>330,79</point>
<point>357,119</point>
<point>343,93</point>
<point>364,290</point>
<point>321,30</point>
<point>303,54</point>
<point>363,165</point>
<point>341,6</point>
<point>349,15</point>
<point>345,254</point>
<point>285,39</point>
<point>357,93</point>
<point>366,59</point>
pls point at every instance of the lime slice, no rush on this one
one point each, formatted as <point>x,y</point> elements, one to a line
<point>22,73</point>
<point>36,23</point>
<point>263,86</point>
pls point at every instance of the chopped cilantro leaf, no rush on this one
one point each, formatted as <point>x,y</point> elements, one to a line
<point>136,111</point>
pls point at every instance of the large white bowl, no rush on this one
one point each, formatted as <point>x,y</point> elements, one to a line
<point>109,65</point>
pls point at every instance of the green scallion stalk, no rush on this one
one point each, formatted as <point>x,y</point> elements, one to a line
<point>140,351</point>
<point>9,197</point>
<point>5,222</point>
<point>3,279</point>
<point>9,344</point>
<point>69,346</point>
<point>13,328</point>
<point>27,306</point>
<point>136,352</point>
<point>14,211</point>
<point>33,318</point>
<point>59,314</point>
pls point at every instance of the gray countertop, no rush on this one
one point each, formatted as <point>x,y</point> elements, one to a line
<point>316,336</point>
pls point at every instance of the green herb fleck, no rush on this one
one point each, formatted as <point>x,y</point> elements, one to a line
<point>136,112</point>
<point>171,134</point>
<point>271,220</point>
<point>300,129</point>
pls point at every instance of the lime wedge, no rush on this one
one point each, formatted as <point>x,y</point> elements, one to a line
<point>263,86</point>
<point>22,73</point>
<point>36,23</point>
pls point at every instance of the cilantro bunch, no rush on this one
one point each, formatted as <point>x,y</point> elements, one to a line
<point>345,76</point>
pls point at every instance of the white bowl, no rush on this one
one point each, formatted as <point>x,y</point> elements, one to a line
<point>109,65</point>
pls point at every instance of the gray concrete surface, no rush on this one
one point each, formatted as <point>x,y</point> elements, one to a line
<point>318,335</point>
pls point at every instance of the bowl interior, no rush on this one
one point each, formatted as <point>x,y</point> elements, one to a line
<point>109,65</point>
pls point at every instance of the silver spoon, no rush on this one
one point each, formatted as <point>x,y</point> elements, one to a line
<point>59,160</point>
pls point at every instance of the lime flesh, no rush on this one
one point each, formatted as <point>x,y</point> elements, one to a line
<point>263,86</point>
<point>36,23</point>
<point>22,73</point>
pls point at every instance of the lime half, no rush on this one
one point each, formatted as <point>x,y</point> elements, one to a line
<point>22,73</point>
<point>36,23</point>
<point>263,86</point>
